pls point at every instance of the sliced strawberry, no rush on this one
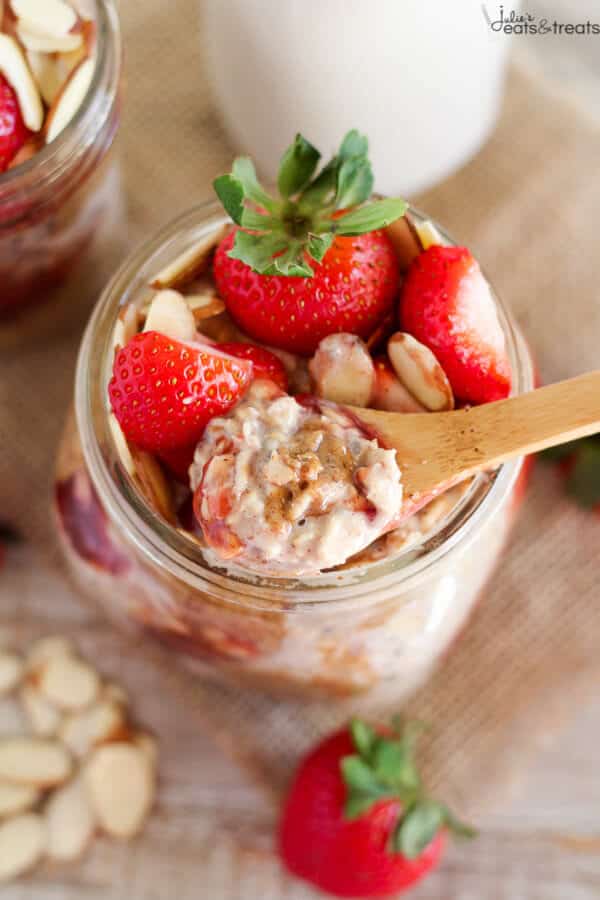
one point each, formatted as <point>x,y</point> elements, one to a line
<point>178,461</point>
<point>266,364</point>
<point>446,304</point>
<point>164,392</point>
<point>13,132</point>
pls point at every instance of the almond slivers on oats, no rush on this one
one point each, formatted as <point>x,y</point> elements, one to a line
<point>190,264</point>
<point>170,314</point>
<point>420,372</point>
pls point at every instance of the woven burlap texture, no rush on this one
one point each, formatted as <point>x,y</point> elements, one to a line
<point>527,207</point>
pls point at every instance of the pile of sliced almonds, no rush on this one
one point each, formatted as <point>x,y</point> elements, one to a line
<point>82,768</point>
<point>47,56</point>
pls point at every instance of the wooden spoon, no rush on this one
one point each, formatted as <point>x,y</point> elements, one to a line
<point>437,450</point>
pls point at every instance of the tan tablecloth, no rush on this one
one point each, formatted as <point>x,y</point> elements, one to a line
<point>527,206</point>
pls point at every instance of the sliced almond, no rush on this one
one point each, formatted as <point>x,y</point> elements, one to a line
<point>342,370</point>
<point>418,369</point>
<point>405,240</point>
<point>390,394</point>
<point>34,39</point>
<point>68,682</point>
<point>121,444</point>
<point>17,798</point>
<point>205,306</point>
<point>69,100</point>
<point>52,17</point>
<point>102,722</point>
<point>70,821</point>
<point>190,264</point>
<point>120,782</point>
<point>48,73</point>
<point>40,762</point>
<point>126,326</point>
<point>48,647</point>
<point>153,484</point>
<point>170,315</point>
<point>428,235</point>
<point>13,66</point>
<point>22,845</point>
<point>11,671</point>
<point>43,717</point>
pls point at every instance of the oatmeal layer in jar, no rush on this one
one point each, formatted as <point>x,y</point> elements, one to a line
<point>152,509</point>
<point>60,197</point>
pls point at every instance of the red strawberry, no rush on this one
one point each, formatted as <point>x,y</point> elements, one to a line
<point>447,305</point>
<point>266,364</point>
<point>178,461</point>
<point>314,261</point>
<point>163,392</point>
<point>13,132</point>
<point>357,822</point>
<point>352,290</point>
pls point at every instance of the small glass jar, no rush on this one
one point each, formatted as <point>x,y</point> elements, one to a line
<point>374,630</point>
<point>60,210</point>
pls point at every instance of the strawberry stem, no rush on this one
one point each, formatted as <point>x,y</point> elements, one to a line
<point>384,767</point>
<point>291,230</point>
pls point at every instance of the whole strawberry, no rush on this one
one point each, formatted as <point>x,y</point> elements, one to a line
<point>357,821</point>
<point>313,261</point>
<point>163,392</point>
<point>13,132</point>
<point>447,305</point>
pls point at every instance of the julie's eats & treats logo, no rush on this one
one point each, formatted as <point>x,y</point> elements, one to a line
<point>509,21</point>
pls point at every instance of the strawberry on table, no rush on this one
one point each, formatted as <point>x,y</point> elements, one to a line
<point>13,131</point>
<point>357,821</point>
<point>266,364</point>
<point>163,392</point>
<point>313,261</point>
<point>447,305</point>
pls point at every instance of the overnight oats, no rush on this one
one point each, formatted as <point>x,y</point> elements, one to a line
<point>215,492</point>
<point>60,199</point>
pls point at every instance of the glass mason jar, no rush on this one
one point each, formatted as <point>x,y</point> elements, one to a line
<point>59,210</point>
<point>376,630</point>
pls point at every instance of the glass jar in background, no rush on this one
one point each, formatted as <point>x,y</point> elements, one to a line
<point>423,80</point>
<point>375,630</point>
<point>61,211</point>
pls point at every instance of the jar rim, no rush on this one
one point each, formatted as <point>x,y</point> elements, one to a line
<point>49,162</point>
<point>182,557</point>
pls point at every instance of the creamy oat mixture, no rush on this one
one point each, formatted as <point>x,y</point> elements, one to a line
<point>291,490</point>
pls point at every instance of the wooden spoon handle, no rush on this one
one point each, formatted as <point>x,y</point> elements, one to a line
<point>438,449</point>
<point>521,425</point>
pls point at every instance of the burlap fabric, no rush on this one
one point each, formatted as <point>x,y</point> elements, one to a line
<point>527,206</point>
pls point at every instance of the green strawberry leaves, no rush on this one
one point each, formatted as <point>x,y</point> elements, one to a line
<point>297,166</point>
<point>582,459</point>
<point>299,226</point>
<point>383,767</point>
